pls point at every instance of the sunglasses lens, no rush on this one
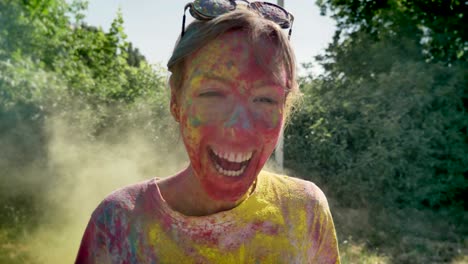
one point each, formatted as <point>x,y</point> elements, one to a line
<point>273,13</point>
<point>213,8</point>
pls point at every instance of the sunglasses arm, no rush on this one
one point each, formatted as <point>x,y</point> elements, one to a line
<point>290,28</point>
<point>187,6</point>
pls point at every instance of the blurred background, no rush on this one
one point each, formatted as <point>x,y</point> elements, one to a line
<point>382,127</point>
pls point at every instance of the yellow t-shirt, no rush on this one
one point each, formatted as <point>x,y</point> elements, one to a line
<point>284,220</point>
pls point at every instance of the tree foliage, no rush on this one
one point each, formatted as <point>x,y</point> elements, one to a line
<point>386,123</point>
<point>53,65</point>
<point>439,24</point>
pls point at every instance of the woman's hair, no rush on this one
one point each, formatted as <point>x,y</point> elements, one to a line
<point>258,29</point>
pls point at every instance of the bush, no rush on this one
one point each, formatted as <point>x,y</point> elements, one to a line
<point>396,139</point>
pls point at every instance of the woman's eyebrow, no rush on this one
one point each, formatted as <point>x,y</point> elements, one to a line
<point>268,84</point>
<point>211,75</point>
<point>257,85</point>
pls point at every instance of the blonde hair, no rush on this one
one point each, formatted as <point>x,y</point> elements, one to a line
<point>199,33</point>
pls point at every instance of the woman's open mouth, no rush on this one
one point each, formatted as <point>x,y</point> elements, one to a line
<point>228,163</point>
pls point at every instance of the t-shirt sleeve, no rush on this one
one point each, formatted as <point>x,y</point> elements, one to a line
<point>106,238</point>
<point>325,247</point>
<point>93,248</point>
<point>322,244</point>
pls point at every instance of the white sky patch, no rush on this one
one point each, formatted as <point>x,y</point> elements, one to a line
<point>153,26</point>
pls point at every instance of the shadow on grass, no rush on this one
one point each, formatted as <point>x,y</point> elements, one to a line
<point>402,236</point>
<point>18,217</point>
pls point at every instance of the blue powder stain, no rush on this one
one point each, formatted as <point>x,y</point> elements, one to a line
<point>239,114</point>
<point>195,121</point>
<point>133,238</point>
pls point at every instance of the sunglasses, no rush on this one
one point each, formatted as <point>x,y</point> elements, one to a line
<point>209,9</point>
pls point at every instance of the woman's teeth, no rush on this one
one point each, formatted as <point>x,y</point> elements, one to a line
<point>233,156</point>
<point>231,164</point>
<point>229,172</point>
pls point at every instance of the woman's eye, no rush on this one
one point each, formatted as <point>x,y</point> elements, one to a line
<point>266,100</point>
<point>209,94</point>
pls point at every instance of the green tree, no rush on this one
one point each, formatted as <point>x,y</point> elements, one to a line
<point>439,24</point>
<point>134,56</point>
<point>54,65</point>
<point>386,122</point>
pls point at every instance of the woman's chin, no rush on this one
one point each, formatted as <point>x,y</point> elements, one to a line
<point>222,187</point>
<point>225,178</point>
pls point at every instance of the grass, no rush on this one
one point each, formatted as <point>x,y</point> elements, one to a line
<point>12,250</point>
<point>402,236</point>
<point>358,253</point>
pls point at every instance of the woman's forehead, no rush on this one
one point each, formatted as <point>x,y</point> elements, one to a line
<point>232,54</point>
<point>226,47</point>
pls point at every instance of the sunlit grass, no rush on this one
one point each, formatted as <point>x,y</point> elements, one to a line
<point>358,253</point>
<point>461,260</point>
<point>12,251</point>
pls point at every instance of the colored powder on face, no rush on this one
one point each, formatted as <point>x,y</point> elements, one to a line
<point>274,119</point>
<point>229,64</point>
<point>239,116</point>
<point>195,121</point>
<point>223,80</point>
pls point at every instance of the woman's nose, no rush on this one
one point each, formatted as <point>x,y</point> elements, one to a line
<point>239,118</point>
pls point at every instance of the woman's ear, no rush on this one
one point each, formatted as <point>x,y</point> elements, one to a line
<point>174,101</point>
<point>174,106</point>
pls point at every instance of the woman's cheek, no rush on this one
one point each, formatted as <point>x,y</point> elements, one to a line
<point>275,118</point>
<point>195,128</point>
<point>269,126</point>
<point>188,126</point>
<point>269,118</point>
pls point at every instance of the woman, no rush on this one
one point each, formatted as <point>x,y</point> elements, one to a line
<point>233,81</point>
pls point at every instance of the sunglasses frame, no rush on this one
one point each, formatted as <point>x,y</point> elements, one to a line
<point>251,5</point>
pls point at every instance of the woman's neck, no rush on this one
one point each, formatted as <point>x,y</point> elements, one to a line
<point>184,193</point>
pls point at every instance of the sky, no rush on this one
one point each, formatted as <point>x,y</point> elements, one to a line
<point>153,26</point>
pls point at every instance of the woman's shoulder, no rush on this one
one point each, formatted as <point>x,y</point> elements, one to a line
<point>295,188</point>
<point>127,198</point>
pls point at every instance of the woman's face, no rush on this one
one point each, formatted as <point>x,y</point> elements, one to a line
<point>230,114</point>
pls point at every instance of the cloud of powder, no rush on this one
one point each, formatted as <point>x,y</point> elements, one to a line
<point>72,172</point>
<point>85,172</point>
